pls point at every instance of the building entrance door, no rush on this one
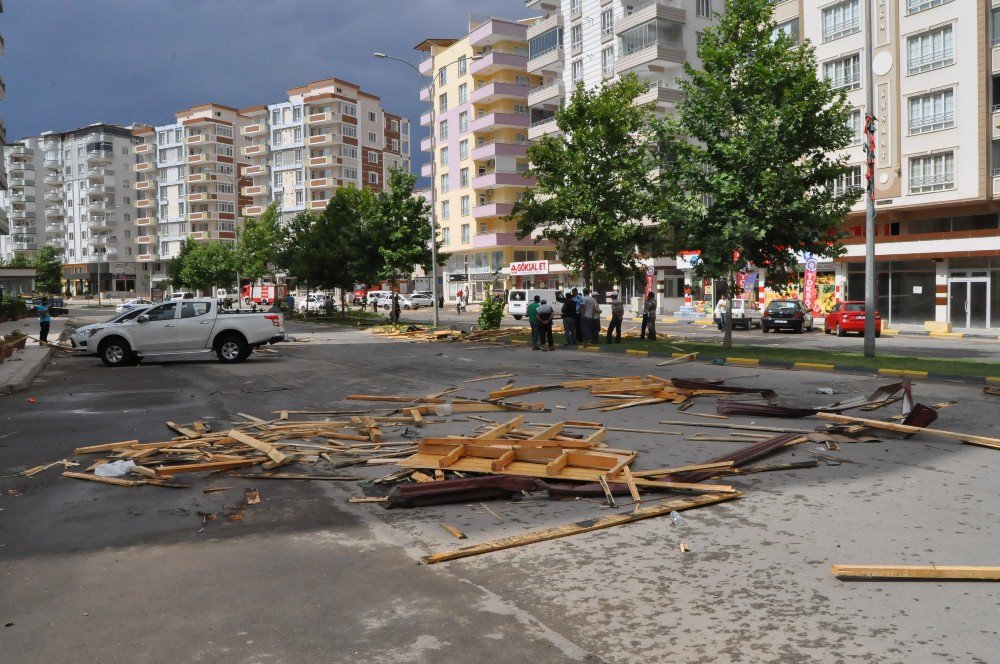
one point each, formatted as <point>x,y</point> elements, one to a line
<point>969,302</point>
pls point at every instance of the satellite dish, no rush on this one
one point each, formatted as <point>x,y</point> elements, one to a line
<point>882,63</point>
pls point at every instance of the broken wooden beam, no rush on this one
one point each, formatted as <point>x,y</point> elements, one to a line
<point>925,572</point>
<point>982,441</point>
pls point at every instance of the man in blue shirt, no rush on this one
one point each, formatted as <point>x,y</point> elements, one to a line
<point>44,320</point>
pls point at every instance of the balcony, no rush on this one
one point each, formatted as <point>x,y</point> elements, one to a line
<point>542,128</point>
<point>202,158</point>
<point>24,246</point>
<point>425,144</point>
<point>196,178</point>
<point>20,167</point>
<point>321,162</point>
<point>53,195</point>
<point>54,228</point>
<point>501,179</point>
<point>52,163</point>
<point>145,203</point>
<point>21,197</point>
<point>492,32</point>
<point>255,150</point>
<point>550,60</point>
<point>317,205</point>
<point>322,183</point>
<point>57,243</point>
<point>144,148</point>
<point>98,173</point>
<point>495,91</point>
<point>258,129</point>
<point>426,170</point>
<point>670,10</point>
<point>653,57</point>
<point>147,258</point>
<point>492,150</point>
<point>256,190</point>
<point>99,156</point>
<point>196,139</point>
<point>425,94</point>
<point>103,223</point>
<point>426,118</point>
<point>252,210</point>
<point>492,210</point>
<point>496,120</point>
<point>144,185</point>
<point>426,66</point>
<point>321,119</point>
<point>495,61</point>
<point>54,179</point>
<point>23,215</point>
<point>145,239</point>
<point>553,20</point>
<point>145,221</point>
<point>145,167</point>
<point>255,170</point>
<point>491,240</point>
<point>21,152</point>
<point>321,140</point>
<point>98,206</point>
<point>100,190</point>
<point>550,93</point>
<point>202,215</point>
<point>202,197</point>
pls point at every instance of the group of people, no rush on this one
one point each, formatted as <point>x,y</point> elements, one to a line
<point>581,319</point>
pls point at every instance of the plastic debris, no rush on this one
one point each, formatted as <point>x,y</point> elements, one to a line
<point>677,519</point>
<point>116,469</point>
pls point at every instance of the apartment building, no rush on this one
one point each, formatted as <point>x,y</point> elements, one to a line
<point>479,122</point>
<point>187,175</point>
<point>74,191</point>
<point>937,161</point>
<point>594,42</point>
<point>4,221</point>
<point>327,134</point>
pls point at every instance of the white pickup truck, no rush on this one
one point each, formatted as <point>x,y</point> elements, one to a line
<point>187,327</point>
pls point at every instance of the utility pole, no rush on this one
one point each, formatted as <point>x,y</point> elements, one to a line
<point>871,139</point>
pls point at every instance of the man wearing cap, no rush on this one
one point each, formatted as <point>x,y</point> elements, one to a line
<point>533,320</point>
<point>543,319</point>
<point>617,314</point>
<point>569,319</point>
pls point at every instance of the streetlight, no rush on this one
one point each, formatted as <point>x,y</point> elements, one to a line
<point>430,96</point>
<point>871,139</point>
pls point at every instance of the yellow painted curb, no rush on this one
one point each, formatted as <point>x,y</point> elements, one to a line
<point>636,320</point>
<point>592,349</point>
<point>993,380</point>
<point>518,342</point>
<point>743,361</point>
<point>902,372</point>
<point>813,365</point>
<point>638,353</point>
<point>668,320</point>
<point>946,335</point>
<point>890,333</point>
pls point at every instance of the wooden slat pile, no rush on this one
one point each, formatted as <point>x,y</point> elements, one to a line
<point>415,333</point>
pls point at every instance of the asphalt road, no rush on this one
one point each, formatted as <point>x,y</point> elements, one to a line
<point>100,573</point>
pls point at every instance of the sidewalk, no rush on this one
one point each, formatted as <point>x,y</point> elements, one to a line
<point>18,372</point>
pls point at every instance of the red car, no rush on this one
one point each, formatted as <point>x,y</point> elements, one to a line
<point>849,317</point>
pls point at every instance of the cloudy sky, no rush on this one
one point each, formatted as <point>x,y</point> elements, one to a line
<point>72,62</point>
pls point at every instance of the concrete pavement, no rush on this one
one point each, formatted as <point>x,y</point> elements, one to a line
<point>18,372</point>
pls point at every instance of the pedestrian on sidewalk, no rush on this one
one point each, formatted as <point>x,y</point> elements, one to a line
<point>44,320</point>
<point>543,317</point>
<point>617,314</point>
<point>533,320</point>
<point>722,308</point>
<point>578,315</point>
<point>569,319</point>
<point>649,317</point>
<point>590,313</point>
<point>290,303</point>
<point>440,301</point>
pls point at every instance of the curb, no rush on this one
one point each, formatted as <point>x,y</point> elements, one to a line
<point>903,372</point>
<point>637,353</point>
<point>813,366</point>
<point>742,362</point>
<point>946,335</point>
<point>27,379</point>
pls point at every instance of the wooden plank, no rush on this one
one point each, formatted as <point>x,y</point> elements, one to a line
<point>722,465</point>
<point>982,441</point>
<point>631,404</point>
<point>493,377</point>
<point>555,466</point>
<point>505,460</point>
<point>452,456</point>
<point>272,454</point>
<point>418,476</point>
<point>579,527</point>
<point>632,488</point>
<point>599,462</point>
<point>689,357</point>
<point>499,430</point>
<point>107,447</point>
<point>608,496</point>
<point>117,481</point>
<point>597,437</point>
<point>549,432</point>
<point>743,427</point>
<point>613,472</point>
<point>517,391</point>
<point>458,534</point>
<point>206,467</point>
<point>366,499</point>
<point>927,572</point>
<point>184,431</point>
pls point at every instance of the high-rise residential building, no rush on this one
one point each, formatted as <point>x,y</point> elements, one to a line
<point>478,118</point>
<point>937,156</point>
<point>187,176</point>
<point>73,191</point>
<point>326,135</point>
<point>4,221</point>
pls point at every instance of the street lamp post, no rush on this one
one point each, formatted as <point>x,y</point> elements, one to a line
<point>871,140</point>
<point>430,95</point>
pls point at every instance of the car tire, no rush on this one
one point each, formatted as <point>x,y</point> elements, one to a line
<point>516,317</point>
<point>799,329</point>
<point>231,348</point>
<point>764,328</point>
<point>115,352</point>
<point>840,331</point>
<point>878,333</point>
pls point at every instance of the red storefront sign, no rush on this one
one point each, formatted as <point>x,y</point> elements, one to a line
<point>525,268</point>
<point>650,280</point>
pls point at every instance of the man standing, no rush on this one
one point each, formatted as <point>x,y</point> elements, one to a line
<point>44,320</point>
<point>290,303</point>
<point>590,313</point>
<point>722,308</point>
<point>649,317</point>
<point>533,320</point>
<point>578,314</point>
<point>543,316</point>
<point>569,319</point>
<point>617,314</point>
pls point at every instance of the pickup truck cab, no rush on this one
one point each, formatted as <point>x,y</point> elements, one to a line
<point>187,327</point>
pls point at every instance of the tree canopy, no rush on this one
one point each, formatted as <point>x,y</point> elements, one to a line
<point>257,244</point>
<point>208,264</point>
<point>48,267</point>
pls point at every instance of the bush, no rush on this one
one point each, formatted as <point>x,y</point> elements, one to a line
<point>491,314</point>
<point>12,308</point>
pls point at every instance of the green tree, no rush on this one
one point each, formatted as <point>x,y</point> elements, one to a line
<point>173,267</point>
<point>208,264</point>
<point>400,220</point>
<point>491,313</point>
<point>17,260</point>
<point>48,266</point>
<point>594,183</point>
<point>746,165</point>
<point>258,244</point>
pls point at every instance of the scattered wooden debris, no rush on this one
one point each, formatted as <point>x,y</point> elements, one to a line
<point>982,441</point>
<point>911,572</point>
<point>458,534</point>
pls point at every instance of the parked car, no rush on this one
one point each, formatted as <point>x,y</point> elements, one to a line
<point>746,314</point>
<point>130,304</point>
<point>421,298</point>
<point>519,299</point>
<point>385,302</point>
<point>315,302</point>
<point>81,336</point>
<point>187,328</point>
<point>375,295</point>
<point>181,295</point>
<point>849,317</point>
<point>786,315</point>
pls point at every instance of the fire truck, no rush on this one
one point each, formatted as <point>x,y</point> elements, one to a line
<point>263,293</point>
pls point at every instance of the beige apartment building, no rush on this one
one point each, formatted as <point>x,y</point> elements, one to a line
<point>4,222</point>
<point>327,134</point>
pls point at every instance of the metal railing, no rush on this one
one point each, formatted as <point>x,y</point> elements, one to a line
<point>842,29</point>
<point>932,122</point>
<point>914,6</point>
<point>938,182</point>
<point>931,61</point>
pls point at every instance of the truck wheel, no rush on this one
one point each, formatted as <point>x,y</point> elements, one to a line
<point>516,317</point>
<point>115,352</point>
<point>231,349</point>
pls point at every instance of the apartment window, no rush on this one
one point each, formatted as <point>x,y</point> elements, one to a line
<point>845,183</point>
<point>445,183</point>
<point>704,8</point>
<point>844,73</point>
<point>443,76</point>
<point>463,65</point>
<point>544,43</point>
<point>445,236</point>
<point>934,172</point>
<point>300,197</point>
<point>444,156</point>
<point>372,137</point>
<point>465,206</point>
<point>995,23</point>
<point>931,50</point>
<point>276,116</point>
<point>576,6</point>
<point>463,121</point>
<point>463,93</point>
<point>298,178</point>
<point>279,158</point>
<point>373,157</point>
<point>350,173</point>
<point>372,117</point>
<point>914,6</point>
<point>856,126</point>
<point>443,103</point>
<point>349,110</point>
<point>788,28</point>
<point>349,130</point>
<point>463,150</point>
<point>296,113</point>
<point>349,151</point>
<point>395,125</point>
<point>465,234</point>
<point>446,210</point>
<point>577,70</point>
<point>443,130</point>
<point>932,112</point>
<point>651,33</point>
<point>372,177</point>
<point>298,155</point>
<point>841,20</point>
<point>576,37</point>
<point>463,176</point>
<point>607,23</point>
<point>608,61</point>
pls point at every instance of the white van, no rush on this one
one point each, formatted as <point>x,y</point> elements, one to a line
<point>374,295</point>
<point>519,299</point>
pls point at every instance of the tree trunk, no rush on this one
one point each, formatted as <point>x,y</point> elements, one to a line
<point>727,336</point>
<point>343,304</point>
<point>587,272</point>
